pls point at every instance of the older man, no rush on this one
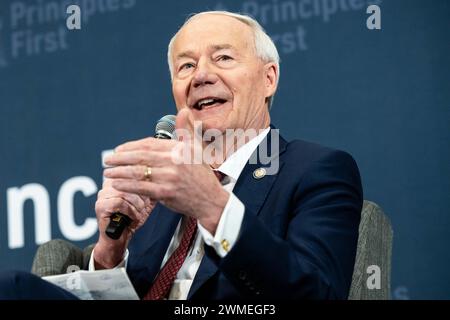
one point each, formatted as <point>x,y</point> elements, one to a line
<point>230,228</point>
<point>289,235</point>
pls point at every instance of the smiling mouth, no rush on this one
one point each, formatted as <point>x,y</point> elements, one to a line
<point>208,103</point>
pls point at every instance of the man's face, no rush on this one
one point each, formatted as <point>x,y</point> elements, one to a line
<point>217,74</point>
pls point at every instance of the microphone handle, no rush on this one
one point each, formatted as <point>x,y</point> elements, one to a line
<point>118,221</point>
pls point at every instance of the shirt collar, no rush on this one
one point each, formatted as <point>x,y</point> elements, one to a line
<point>234,164</point>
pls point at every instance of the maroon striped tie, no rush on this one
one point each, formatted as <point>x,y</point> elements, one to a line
<point>166,276</point>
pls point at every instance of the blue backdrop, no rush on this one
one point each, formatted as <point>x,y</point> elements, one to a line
<point>383,95</point>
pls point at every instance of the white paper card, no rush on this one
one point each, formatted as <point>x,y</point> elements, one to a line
<point>110,284</point>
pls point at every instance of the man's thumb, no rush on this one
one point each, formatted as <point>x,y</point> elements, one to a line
<point>184,125</point>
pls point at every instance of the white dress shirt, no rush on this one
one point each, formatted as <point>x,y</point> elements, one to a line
<point>227,230</point>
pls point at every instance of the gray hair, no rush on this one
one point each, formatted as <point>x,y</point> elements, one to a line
<point>264,46</point>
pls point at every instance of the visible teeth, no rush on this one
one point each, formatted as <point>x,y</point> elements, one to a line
<point>205,101</point>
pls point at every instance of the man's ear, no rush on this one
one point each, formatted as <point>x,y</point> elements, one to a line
<point>271,78</point>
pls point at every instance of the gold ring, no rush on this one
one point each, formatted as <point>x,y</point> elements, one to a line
<point>147,173</point>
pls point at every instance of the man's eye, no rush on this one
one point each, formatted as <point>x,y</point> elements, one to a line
<point>224,58</point>
<point>186,66</point>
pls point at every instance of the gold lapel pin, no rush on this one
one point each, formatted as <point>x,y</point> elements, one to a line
<point>259,173</point>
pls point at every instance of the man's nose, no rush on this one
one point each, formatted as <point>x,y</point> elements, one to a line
<point>203,76</point>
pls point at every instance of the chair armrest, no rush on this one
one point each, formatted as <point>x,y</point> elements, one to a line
<point>55,256</point>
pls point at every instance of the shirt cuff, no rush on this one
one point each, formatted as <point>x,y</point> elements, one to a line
<point>228,228</point>
<point>122,264</point>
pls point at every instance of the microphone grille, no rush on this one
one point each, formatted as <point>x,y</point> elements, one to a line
<point>165,127</point>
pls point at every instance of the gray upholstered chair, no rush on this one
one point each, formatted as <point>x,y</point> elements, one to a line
<point>60,256</point>
<point>374,248</point>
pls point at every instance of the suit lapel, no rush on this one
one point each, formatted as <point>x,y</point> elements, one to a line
<point>251,189</point>
<point>258,175</point>
<point>157,240</point>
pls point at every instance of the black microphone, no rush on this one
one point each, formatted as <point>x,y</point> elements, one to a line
<point>165,129</point>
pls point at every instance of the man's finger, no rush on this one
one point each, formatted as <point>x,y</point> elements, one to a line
<point>157,174</point>
<point>149,144</point>
<point>147,188</point>
<point>107,187</point>
<point>153,159</point>
<point>126,172</point>
<point>117,205</point>
<point>132,199</point>
<point>184,125</point>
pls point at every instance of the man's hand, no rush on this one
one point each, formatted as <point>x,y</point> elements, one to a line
<point>108,252</point>
<point>191,189</point>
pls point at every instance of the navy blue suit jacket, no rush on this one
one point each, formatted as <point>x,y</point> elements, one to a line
<point>298,236</point>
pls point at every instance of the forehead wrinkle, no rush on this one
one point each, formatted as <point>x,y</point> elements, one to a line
<point>211,47</point>
<point>185,54</point>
